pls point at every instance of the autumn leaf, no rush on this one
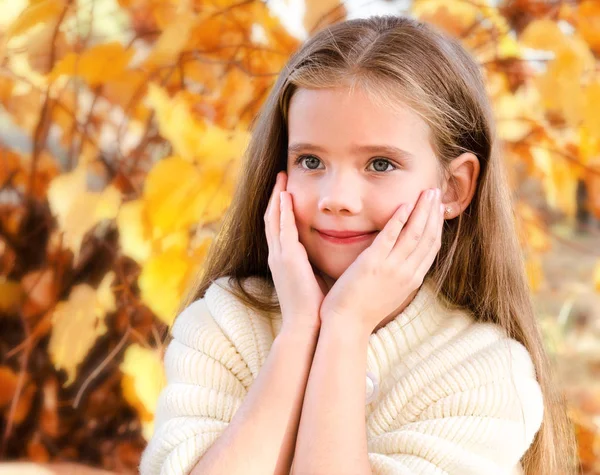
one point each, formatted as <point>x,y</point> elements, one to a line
<point>559,179</point>
<point>77,323</point>
<point>143,379</point>
<point>531,229</point>
<point>321,13</point>
<point>591,118</point>
<point>8,385</point>
<point>11,296</point>
<point>78,210</point>
<point>134,231</point>
<point>172,41</point>
<point>162,282</point>
<point>96,65</point>
<point>37,12</point>
<point>516,113</point>
<point>588,22</point>
<point>199,196</point>
<point>452,16</point>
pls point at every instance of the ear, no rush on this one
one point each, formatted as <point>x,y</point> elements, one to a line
<point>459,188</point>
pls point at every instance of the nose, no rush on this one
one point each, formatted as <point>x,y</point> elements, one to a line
<point>340,194</point>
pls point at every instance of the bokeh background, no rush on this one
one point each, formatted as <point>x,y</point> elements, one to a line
<point>122,127</point>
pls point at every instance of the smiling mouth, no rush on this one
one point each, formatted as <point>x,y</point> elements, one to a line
<point>346,240</point>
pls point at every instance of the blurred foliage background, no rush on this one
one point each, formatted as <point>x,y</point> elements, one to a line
<point>122,126</point>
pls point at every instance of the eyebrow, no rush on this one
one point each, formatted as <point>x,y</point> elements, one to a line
<point>384,149</point>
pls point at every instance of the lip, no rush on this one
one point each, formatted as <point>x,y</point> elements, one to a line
<point>347,237</point>
<point>343,234</point>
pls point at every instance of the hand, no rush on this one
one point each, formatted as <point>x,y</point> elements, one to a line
<point>299,289</point>
<point>382,277</point>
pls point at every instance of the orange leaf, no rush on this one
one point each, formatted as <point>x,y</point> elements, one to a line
<point>8,385</point>
<point>321,13</point>
<point>172,41</point>
<point>97,65</point>
<point>38,12</point>
<point>11,296</point>
<point>588,22</point>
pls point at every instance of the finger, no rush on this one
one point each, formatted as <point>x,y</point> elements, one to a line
<point>434,250</point>
<point>415,228</point>
<point>428,260</point>
<point>428,244</point>
<point>267,215</point>
<point>272,217</point>
<point>288,232</point>
<point>384,242</point>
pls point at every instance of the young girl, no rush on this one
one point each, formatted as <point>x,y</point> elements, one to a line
<point>356,319</point>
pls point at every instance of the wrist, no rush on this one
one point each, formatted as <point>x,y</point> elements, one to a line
<point>298,334</point>
<point>346,327</point>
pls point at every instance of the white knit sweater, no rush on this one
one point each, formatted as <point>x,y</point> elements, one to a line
<point>445,394</point>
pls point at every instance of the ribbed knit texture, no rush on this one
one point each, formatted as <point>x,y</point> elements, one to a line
<point>450,396</point>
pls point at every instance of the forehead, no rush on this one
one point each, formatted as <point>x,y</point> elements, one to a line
<point>342,114</point>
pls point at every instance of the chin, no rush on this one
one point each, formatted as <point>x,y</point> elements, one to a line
<point>333,266</point>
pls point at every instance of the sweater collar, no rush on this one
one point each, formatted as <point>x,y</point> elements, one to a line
<point>421,318</point>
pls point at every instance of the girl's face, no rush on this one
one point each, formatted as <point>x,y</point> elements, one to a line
<point>350,166</point>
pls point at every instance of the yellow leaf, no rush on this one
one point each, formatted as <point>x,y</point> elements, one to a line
<point>591,118</point>
<point>220,148</point>
<point>531,229</point>
<point>517,113</point>
<point>588,22</point>
<point>175,121</point>
<point>589,144</point>
<point>179,240</point>
<point>96,65</point>
<point>196,259</point>
<point>162,282</point>
<point>535,272</point>
<point>543,34</point>
<point>172,41</point>
<point>321,13</point>
<point>127,90</point>
<point>197,196</point>
<point>77,323</point>
<point>133,229</point>
<point>453,16</point>
<point>143,380</point>
<point>559,180</point>
<point>195,139</point>
<point>77,210</point>
<point>560,86</point>
<point>38,12</point>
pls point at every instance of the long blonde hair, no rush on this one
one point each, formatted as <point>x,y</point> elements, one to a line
<point>480,267</point>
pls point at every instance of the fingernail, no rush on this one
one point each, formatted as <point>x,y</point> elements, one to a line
<point>430,194</point>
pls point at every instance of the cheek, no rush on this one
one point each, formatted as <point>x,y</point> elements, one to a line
<point>302,204</point>
<point>383,207</point>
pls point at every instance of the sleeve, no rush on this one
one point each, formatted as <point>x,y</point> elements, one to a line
<point>478,416</point>
<point>207,380</point>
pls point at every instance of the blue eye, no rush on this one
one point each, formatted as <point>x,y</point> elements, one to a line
<point>386,162</point>
<point>311,159</point>
<point>302,157</point>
